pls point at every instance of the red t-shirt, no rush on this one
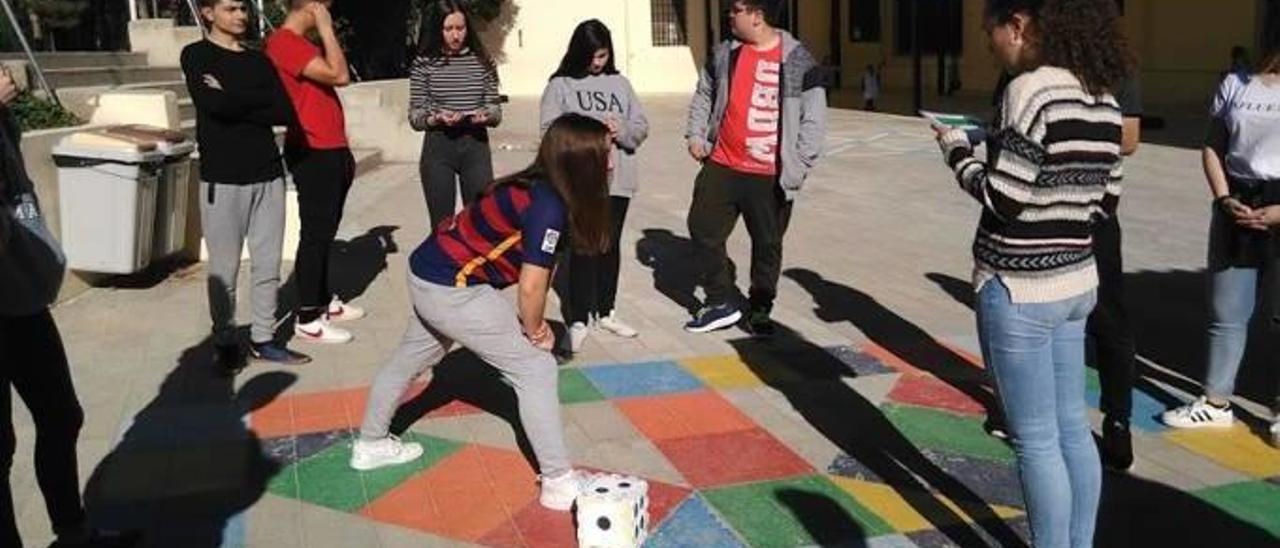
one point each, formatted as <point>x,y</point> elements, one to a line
<point>748,140</point>
<point>319,110</point>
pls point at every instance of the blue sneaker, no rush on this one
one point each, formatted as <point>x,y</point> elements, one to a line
<point>275,353</point>
<point>711,318</point>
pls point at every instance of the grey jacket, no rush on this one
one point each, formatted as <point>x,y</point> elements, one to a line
<point>31,261</point>
<point>599,97</point>
<point>804,107</point>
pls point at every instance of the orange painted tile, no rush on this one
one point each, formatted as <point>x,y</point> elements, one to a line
<point>271,426</point>
<point>889,358</point>
<point>465,496</point>
<point>322,423</point>
<point>317,404</point>
<point>455,408</point>
<point>280,409</point>
<point>683,415</point>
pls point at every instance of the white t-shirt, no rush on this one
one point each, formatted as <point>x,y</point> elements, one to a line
<point>1250,109</point>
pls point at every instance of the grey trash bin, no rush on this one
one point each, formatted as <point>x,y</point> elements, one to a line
<point>107,202</point>
<point>171,198</point>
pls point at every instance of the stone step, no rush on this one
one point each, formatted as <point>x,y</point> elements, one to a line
<point>73,59</point>
<point>110,76</point>
<point>80,99</point>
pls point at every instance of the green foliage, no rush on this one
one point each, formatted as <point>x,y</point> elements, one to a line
<point>35,113</point>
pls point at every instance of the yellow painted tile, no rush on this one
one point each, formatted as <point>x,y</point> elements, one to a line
<point>1236,448</point>
<point>885,501</point>
<point>723,372</point>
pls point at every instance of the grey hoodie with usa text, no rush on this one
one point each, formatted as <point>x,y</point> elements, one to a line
<point>803,127</point>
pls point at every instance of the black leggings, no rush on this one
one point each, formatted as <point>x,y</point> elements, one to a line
<point>451,159</point>
<point>1108,325</point>
<point>34,363</point>
<point>593,279</point>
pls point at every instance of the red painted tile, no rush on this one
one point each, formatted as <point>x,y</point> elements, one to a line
<point>318,404</point>
<point>735,457</point>
<point>504,536</point>
<point>466,496</point>
<point>322,423</point>
<point>454,408</point>
<point>541,527</point>
<point>684,415</point>
<point>928,391</point>
<point>889,358</point>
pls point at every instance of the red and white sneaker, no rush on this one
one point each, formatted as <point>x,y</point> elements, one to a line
<point>342,312</point>
<point>319,331</point>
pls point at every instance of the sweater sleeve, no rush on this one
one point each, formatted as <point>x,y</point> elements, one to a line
<point>1002,184</point>
<point>221,103</point>
<point>420,104</point>
<point>550,109</point>
<point>492,106</point>
<point>635,129</point>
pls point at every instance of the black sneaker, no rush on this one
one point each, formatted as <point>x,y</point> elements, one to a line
<point>760,324</point>
<point>1116,448</point>
<point>711,318</point>
<point>996,428</point>
<point>229,359</point>
<point>101,538</point>
<point>275,353</point>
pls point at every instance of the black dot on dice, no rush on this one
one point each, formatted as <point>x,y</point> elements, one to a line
<point>602,489</point>
<point>624,485</point>
<point>603,523</point>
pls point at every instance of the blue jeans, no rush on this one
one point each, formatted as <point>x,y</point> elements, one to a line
<point>1234,293</point>
<point>1035,353</point>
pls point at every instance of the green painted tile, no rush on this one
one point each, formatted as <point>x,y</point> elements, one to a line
<point>795,512</point>
<point>1091,382</point>
<point>1256,502</point>
<point>945,432</point>
<point>575,388</point>
<point>326,479</point>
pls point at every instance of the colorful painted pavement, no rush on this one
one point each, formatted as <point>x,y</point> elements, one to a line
<point>779,445</point>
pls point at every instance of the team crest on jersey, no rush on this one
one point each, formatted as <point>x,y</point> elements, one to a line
<point>549,241</point>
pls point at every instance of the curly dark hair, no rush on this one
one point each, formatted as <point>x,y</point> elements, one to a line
<point>1082,36</point>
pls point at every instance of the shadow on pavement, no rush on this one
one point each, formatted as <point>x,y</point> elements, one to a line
<point>187,464</point>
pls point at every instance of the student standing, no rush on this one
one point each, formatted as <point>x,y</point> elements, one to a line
<point>588,83</point>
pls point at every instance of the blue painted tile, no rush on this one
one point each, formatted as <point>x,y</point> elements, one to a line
<point>992,482</point>
<point>693,525</point>
<point>641,379</point>
<point>861,363</point>
<point>288,450</point>
<point>1146,409</point>
<point>849,467</point>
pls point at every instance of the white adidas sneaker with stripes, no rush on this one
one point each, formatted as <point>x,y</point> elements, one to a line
<point>1199,414</point>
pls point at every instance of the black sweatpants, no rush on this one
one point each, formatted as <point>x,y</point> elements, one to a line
<point>452,159</point>
<point>1108,325</point>
<point>720,196</point>
<point>323,179</point>
<point>593,279</point>
<point>34,363</point>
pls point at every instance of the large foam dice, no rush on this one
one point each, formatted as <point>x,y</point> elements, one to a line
<point>613,512</point>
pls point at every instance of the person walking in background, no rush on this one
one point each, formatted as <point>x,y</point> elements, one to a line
<point>757,123</point>
<point>588,83</point>
<point>1242,166</point>
<point>453,96</point>
<point>238,99</point>
<point>33,361</point>
<point>1053,168</point>
<point>319,158</point>
<point>870,88</point>
<point>510,235</point>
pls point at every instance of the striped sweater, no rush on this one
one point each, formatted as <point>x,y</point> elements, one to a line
<point>457,83</point>
<point>1052,168</point>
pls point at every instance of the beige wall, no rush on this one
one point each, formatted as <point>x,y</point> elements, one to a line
<point>531,49</point>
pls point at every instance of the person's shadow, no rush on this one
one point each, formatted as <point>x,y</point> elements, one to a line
<point>810,379</point>
<point>826,522</point>
<point>187,464</point>
<point>839,303</point>
<point>675,264</point>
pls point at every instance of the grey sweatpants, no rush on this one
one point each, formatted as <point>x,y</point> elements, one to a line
<point>480,319</point>
<point>228,215</point>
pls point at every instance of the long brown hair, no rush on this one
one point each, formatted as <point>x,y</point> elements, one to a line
<point>574,159</point>
<point>1269,60</point>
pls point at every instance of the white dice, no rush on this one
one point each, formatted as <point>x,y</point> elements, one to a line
<point>613,512</point>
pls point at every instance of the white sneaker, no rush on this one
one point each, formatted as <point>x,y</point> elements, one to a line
<point>612,324</point>
<point>559,493</point>
<point>319,331</point>
<point>1275,434</point>
<point>1199,414</point>
<point>342,312</point>
<point>577,335</point>
<point>388,451</point>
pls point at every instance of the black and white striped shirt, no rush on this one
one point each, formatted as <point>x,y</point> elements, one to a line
<point>457,83</point>
<point>1051,170</point>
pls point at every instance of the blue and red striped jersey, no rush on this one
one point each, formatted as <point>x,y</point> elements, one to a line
<point>488,241</point>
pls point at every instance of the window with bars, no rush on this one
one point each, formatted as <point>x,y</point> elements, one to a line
<point>670,24</point>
